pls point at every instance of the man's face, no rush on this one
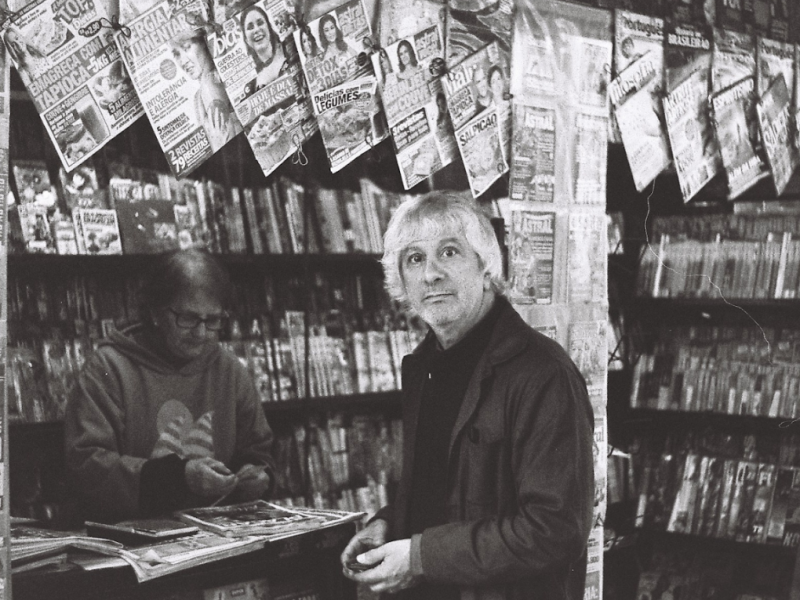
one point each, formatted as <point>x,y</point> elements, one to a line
<point>479,79</point>
<point>188,343</point>
<point>444,281</point>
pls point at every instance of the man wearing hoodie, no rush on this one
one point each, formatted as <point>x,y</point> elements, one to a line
<point>162,417</point>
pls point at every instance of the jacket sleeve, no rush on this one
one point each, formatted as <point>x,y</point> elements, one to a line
<point>551,456</point>
<point>106,481</point>
<point>253,434</point>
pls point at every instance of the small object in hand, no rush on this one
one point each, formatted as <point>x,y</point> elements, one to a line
<point>354,565</point>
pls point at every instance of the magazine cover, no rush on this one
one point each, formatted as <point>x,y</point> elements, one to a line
<point>481,151</point>
<point>350,119</point>
<point>181,91</point>
<point>634,36</point>
<point>262,77</point>
<point>73,73</point>
<point>530,256</point>
<point>636,97</point>
<point>534,65</point>
<point>774,120</point>
<point>586,258</point>
<point>694,147</point>
<point>330,46</point>
<point>588,348</point>
<point>80,188</point>
<point>686,51</point>
<point>471,24</point>
<point>736,128</point>
<point>478,82</point>
<point>774,58</point>
<point>732,59</point>
<point>729,15</point>
<point>590,158</point>
<point>263,518</point>
<point>33,182</point>
<point>400,19</point>
<point>533,156</point>
<point>97,230</point>
<point>415,105</point>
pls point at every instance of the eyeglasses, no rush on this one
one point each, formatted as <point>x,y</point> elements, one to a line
<point>190,321</point>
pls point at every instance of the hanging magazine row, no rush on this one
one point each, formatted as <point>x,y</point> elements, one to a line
<point>204,74</point>
<point>706,100</point>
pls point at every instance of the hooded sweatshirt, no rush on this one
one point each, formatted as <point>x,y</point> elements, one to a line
<point>133,421</point>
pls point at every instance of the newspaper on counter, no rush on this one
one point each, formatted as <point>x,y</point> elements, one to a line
<point>333,47</point>
<point>735,124</point>
<point>478,101</point>
<point>634,36</point>
<point>774,120</point>
<point>263,79</point>
<point>687,50</point>
<point>530,255</point>
<point>415,105</point>
<point>533,156</point>
<point>350,120</point>
<point>174,75</point>
<point>264,519</point>
<point>471,24</point>
<point>635,95</point>
<point>74,75</point>
<point>694,148</point>
<point>400,19</point>
<point>732,59</point>
<point>774,58</point>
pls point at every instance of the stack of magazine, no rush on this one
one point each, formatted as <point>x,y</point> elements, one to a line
<point>214,533</point>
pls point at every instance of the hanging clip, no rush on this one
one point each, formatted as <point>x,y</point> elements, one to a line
<point>299,157</point>
<point>114,24</point>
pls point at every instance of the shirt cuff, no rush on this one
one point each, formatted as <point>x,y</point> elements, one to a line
<point>416,555</point>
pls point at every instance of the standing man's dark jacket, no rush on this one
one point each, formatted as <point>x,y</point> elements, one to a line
<point>520,474</point>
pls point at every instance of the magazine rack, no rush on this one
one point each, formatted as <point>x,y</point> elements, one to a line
<point>306,566</point>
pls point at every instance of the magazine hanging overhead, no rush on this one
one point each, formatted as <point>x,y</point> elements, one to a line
<point>164,49</point>
<point>74,75</point>
<point>256,57</point>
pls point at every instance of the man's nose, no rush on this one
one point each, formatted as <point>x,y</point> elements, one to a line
<point>433,270</point>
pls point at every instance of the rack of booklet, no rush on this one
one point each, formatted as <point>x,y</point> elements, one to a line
<point>247,527</point>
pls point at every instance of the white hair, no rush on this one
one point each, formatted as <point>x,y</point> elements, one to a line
<point>434,214</point>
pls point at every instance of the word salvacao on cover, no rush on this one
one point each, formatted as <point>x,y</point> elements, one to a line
<point>477,98</point>
<point>255,55</point>
<point>333,52</point>
<point>74,75</point>
<point>174,75</point>
<point>415,105</point>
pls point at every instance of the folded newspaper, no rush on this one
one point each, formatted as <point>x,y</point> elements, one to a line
<point>263,519</point>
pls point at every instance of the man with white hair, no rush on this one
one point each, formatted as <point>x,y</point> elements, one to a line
<point>495,499</point>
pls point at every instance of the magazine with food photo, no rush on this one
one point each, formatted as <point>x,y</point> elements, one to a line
<point>264,82</point>
<point>333,48</point>
<point>773,59</point>
<point>415,105</point>
<point>774,118</point>
<point>534,154</point>
<point>530,256</point>
<point>736,128</point>
<point>732,59</point>
<point>687,50</point>
<point>636,97</point>
<point>174,75</point>
<point>350,120</point>
<point>74,75</point>
<point>694,147</point>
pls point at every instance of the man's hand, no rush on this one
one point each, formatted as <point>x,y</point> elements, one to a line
<point>252,482</point>
<point>372,536</point>
<point>392,572</point>
<point>207,477</point>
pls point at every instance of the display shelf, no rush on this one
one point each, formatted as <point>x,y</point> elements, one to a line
<point>698,542</point>
<point>82,263</point>
<point>670,419</point>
